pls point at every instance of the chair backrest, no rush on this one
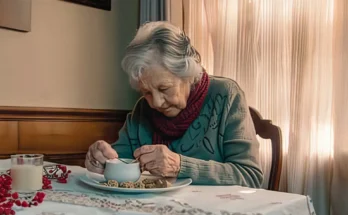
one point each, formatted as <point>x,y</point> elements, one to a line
<point>266,130</point>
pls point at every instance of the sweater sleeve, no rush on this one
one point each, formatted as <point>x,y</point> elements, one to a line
<point>123,145</point>
<point>240,152</point>
<point>127,136</point>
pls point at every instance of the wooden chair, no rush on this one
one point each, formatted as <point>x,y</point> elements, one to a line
<point>266,130</point>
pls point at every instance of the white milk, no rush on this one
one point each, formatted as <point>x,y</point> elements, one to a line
<point>26,177</point>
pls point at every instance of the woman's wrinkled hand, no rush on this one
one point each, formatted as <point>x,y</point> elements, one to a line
<point>97,154</point>
<point>158,160</point>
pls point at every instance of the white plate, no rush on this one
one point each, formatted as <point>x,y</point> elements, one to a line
<point>93,179</point>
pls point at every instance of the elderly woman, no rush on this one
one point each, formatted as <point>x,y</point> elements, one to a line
<point>187,124</point>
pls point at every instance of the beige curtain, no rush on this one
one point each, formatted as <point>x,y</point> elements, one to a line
<point>174,11</point>
<point>340,113</point>
<point>291,59</point>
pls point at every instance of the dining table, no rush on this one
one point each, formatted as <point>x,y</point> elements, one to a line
<point>78,198</point>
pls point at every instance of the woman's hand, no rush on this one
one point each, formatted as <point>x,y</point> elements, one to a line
<point>97,154</point>
<point>158,160</point>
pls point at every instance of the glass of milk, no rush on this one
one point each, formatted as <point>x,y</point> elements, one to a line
<point>26,172</point>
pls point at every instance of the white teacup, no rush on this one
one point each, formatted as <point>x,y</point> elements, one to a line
<point>122,172</point>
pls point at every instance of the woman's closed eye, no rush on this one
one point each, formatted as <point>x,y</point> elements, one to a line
<point>164,89</point>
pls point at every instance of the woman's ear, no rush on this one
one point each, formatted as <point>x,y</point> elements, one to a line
<point>191,80</point>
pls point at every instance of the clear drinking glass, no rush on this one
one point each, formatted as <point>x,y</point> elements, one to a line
<point>26,172</point>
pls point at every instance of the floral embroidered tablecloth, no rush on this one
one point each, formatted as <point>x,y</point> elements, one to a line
<point>78,198</point>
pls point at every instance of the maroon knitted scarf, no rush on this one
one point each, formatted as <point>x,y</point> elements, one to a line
<point>168,129</point>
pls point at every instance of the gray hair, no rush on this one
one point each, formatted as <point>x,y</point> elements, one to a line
<point>161,43</point>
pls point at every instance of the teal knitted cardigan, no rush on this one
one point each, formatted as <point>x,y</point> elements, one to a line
<point>219,147</point>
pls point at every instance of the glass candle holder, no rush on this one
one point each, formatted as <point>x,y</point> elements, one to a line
<point>26,172</point>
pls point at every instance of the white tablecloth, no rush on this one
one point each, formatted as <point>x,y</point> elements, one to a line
<point>77,198</point>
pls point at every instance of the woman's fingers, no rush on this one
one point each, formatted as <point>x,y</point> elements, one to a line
<point>92,168</point>
<point>110,153</point>
<point>107,150</point>
<point>144,150</point>
<point>146,158</point>
<point>151,165</point>
<point>102,151</point>
<point>158,160</point>
<point>157,172</point>
<point>97,155</point>
<point>91,165</point>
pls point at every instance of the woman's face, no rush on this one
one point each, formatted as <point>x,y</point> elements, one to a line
<point>164,91</point>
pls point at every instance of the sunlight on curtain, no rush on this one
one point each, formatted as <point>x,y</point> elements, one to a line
<point>340,98</point>
<point>199,33</point>
<point>282,54</point>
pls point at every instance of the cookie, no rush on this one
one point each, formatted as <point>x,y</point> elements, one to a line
<point>139,185</point>
<point>112,183</point>
<point>162,183</point>
<point>156,183</point>
<point>148,181</point>
<point>127,184</point>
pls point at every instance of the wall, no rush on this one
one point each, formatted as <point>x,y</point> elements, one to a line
<point>71,58</point>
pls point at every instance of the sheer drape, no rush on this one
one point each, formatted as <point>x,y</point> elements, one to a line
<point>340,113</point>
<point>160,10</point>
<point>291,59</point>
<point>152,10</point>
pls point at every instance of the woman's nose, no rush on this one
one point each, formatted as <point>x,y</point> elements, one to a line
<point>157,101</point>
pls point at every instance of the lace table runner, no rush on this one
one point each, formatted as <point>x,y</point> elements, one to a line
<point>150,206</point>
